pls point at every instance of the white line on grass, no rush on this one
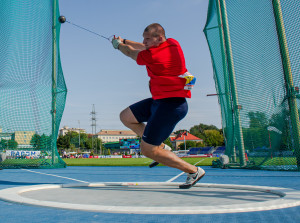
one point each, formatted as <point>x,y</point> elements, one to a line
<point>55,176</point>
<point>174,178</point>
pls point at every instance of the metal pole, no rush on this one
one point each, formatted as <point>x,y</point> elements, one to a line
<point>291,92</point>
<point>94,125</point>
<point>54,65</point>
<point>229,118</point>
<point>100,146</point>
<point>236,106</point>
<point>184,143</point>
<point>79,135</point>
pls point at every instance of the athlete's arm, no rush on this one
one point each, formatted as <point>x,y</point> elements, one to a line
<point>129,51</point>
<point>129,48</point>
<point>135,45</point>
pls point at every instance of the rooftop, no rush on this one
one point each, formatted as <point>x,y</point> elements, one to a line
<point>185,136</point>
<point>116,132</point>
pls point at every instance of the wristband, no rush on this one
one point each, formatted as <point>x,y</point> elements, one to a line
<point>124,41</point>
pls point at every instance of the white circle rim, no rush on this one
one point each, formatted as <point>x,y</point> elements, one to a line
<point>287,198</point>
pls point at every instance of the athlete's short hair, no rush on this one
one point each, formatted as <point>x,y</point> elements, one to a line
<point>156,30</point>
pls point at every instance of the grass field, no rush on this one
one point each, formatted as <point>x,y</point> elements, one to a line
<point>29,163</point>
<point>129,162</point>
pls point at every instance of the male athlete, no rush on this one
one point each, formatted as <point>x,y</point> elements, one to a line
<point>170,86</point>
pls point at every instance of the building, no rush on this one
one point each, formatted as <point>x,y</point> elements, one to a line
<point>115,135</point>
<point>7,136</point>
<point>183,137</point>
<point>23,138</point>
<point>63,131</point>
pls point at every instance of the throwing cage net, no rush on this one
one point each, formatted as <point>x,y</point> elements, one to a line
<point>32,86</point>
<point>254,48</point>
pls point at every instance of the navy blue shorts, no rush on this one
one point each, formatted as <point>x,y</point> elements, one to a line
<point>161,116</point>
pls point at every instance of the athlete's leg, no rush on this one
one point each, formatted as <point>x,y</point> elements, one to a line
<point>166,113</point>
<point>136,114</point>
<point>129,120</point>
<point>165,157</point>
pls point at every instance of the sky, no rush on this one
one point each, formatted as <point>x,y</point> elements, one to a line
<point>96,73</point>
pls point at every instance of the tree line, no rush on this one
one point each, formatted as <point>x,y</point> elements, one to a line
<point>210,134</point>
<point>71,140</point>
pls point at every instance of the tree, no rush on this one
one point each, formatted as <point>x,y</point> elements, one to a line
<point>168,142</point>
<point>89,143</point>
<point>261,131</point>
<point>42,142</point>
<point>83,139</point>
<point>71,141</point>
<point>3,144</point>
<point>36,141</point>
<point>258,120</point>
<point>72,147</point>
<point>63,142</point>
<point>282,122</point>
<point>45,142</point>
<point>8,144</point>
<point>198,130</point>
<point>188,144</point>
<point>12,144</point>
<point>255,137</point>
<point>200,144</point>
<point>213,138</point>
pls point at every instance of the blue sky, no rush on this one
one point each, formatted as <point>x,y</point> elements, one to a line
<point>95,73</point>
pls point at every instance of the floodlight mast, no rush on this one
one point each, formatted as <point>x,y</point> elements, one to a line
<point>94,126</point>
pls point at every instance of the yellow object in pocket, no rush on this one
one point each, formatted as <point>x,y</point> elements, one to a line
<point>190,80</point>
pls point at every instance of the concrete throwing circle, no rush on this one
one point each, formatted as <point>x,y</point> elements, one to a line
<point>154,197</point>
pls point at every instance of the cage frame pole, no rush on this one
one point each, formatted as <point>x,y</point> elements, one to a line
<point>54,79</point>
<point>232,154</point>
<point>288,77</point>
<point>232,79</point>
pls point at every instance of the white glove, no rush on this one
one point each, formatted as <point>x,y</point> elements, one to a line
<point>116,43</point>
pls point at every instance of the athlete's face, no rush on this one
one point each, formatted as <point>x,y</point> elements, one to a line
<point>150,40</point>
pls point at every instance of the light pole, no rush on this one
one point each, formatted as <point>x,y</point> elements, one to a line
<point>185,134</point>
<point>184,143</point>
<point>79,134</point>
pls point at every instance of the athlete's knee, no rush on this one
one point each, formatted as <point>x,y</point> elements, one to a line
<point>123,116</point>
<point>126,116</point>
<point>148,149</point>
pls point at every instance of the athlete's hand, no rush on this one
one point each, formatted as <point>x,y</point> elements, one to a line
<point>116,42</point>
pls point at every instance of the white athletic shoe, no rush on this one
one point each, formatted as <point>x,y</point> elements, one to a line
<point>154,163</point>
<point>192,179</point>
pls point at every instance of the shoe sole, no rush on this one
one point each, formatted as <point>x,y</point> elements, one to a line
<point>153,164</point>
<point>190,185</point>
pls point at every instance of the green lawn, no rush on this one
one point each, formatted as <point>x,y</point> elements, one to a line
<point>29,163</point>
<point>275,161</point>
<point>129,161</point>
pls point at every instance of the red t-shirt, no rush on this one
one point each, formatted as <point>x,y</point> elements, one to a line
<point>164,64</point>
